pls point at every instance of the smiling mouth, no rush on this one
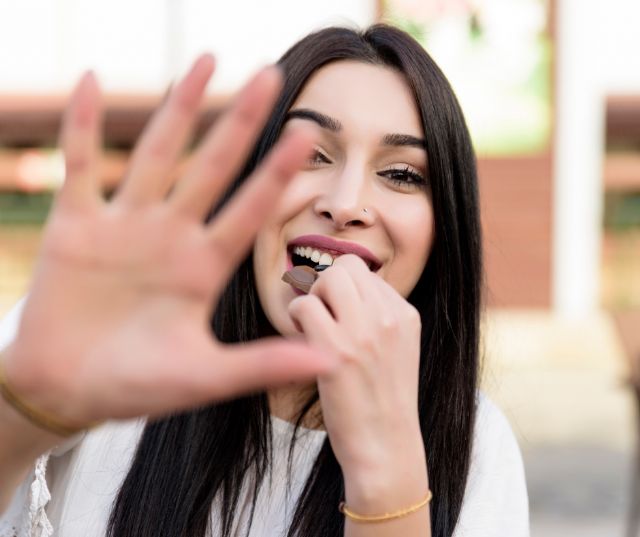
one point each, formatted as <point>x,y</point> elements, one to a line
<point>312,257</point>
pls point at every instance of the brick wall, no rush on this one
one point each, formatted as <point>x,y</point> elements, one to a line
<point>516,197</point>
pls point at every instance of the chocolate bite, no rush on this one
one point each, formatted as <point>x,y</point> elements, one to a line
<point>301,277</point>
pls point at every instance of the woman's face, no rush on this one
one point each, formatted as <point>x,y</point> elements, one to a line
<point>365,185</point>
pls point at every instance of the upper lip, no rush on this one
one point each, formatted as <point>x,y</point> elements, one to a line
<point>337,247</point>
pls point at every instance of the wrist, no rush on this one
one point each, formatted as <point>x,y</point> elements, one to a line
<point>23,422</point>
<point>371,454</point>
<point>395,479</point>
<point>21,438</point>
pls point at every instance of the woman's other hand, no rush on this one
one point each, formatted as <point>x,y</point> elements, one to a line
<point>370,402</point>
<point>116,323</point>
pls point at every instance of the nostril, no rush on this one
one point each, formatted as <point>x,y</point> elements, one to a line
<point>342,220</point>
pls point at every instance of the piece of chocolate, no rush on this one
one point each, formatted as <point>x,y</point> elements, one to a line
<point>301,277</point>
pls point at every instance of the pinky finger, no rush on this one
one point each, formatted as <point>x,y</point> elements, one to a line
<point>81,140</point>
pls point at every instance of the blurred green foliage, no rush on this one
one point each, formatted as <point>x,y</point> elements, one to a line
<point>621,210</point>
<point>24,208</point>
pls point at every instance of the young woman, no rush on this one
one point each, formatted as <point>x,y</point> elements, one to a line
<point>115,324</point>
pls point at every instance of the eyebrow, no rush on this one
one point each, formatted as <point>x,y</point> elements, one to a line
<point>326,122</point>
<point>397,140</point>
<point>333,125</point>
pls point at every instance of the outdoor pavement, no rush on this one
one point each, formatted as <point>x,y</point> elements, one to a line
<point>577,491</point>
<point>562,385</point>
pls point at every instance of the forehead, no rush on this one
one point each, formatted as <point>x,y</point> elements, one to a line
<point>363,97</point>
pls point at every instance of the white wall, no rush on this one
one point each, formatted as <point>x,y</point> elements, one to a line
<point>140,45</point>
<point>598,54</point>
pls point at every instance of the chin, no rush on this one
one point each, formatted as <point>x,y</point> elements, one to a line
<point>278,315</point>
<point>285,327</point>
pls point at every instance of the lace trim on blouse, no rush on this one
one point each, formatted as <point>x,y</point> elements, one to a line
<point>26,515</point>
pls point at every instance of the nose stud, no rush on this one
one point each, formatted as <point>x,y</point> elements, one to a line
<point>365,210</point>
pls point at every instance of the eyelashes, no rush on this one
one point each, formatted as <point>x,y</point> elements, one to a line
<point>318,157</point>
<point>404,176</point>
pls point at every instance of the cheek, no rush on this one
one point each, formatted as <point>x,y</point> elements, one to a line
<point>269,256</point>
<point>412,237</point>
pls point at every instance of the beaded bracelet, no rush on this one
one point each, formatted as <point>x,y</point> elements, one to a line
<point>386,516</point>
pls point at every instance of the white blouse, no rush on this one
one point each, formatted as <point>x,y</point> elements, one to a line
<point>70,490</point>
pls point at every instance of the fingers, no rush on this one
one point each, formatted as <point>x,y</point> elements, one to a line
<point>232,232</point>
<point>80,141</point>
<point>337,289</point>
<point>233,370</point>
<point>388,311</point>
<point>227,146</point>
<point>154,160</point>
<point>315,321</point>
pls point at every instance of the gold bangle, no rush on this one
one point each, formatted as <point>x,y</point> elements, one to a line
<point>387,516</point>
<point>37,417</point>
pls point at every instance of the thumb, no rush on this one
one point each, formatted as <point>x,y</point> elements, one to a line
<point>237,369</point>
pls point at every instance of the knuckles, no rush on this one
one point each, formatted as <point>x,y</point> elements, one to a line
<point>352,262</point>
<point>399,322</point>
<point>303,305</point>
<point>413,316</point>
<point>327,278</point>
<point>76,164</point>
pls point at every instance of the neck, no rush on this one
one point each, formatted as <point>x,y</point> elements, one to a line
<point>287,402</point>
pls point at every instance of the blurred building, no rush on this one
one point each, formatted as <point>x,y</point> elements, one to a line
<point>540,83</point>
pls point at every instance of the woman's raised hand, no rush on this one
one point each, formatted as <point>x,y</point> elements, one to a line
<point>116,323</point>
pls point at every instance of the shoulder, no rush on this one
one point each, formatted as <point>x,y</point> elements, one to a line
<point>493,436</point>
<point>496,501</point>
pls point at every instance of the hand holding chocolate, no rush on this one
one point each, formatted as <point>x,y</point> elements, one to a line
<point>302,276</point>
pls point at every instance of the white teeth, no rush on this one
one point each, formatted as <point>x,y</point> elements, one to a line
<point>322,258</point>
<point>325,259</point>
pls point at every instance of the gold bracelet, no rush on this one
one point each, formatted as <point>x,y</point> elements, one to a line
<point>387,516</point>
<point>37,417</point>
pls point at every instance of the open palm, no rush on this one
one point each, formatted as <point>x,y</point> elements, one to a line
<point>116,323</point>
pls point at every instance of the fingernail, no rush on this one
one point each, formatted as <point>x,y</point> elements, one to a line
<point>84,98</point>
<point>205,62</point>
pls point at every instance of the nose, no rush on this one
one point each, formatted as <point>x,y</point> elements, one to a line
<point>345,201</point>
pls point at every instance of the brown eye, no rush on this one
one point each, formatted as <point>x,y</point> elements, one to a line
<point>404,177</point>
<point>318,157</point>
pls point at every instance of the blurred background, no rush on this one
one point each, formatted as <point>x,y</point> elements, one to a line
<point>551,91</point>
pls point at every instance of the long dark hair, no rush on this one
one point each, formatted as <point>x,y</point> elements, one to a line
<point>184,461</point>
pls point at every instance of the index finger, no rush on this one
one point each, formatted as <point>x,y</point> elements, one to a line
<point>234,229</point>
<point>227,145</point>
